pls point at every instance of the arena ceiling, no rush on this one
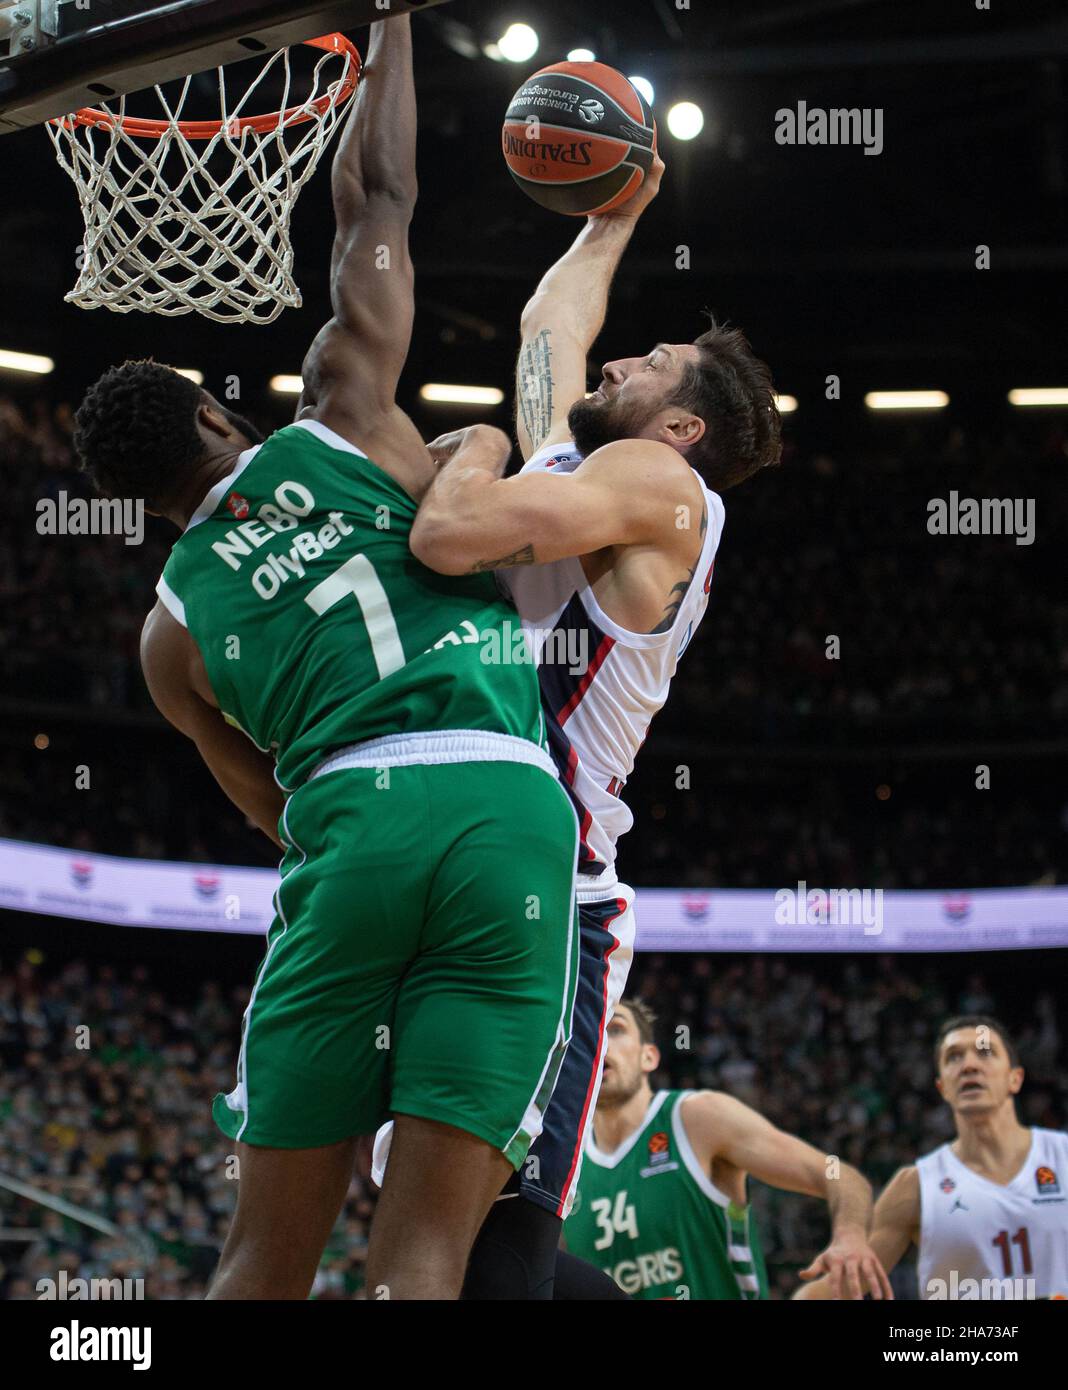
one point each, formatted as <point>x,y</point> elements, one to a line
<point>834,261</point>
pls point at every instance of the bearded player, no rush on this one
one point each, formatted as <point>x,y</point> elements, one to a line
<point>421,959</point>
<point>662,1204</point>
<point>987,1211</point>
<point>606,541</point>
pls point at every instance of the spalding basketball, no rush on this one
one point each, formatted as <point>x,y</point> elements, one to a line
<point>578,138</point>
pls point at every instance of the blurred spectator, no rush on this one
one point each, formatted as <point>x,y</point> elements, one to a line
<point>836,1051</point>
<point>937,632</point>
<point>942,638</point>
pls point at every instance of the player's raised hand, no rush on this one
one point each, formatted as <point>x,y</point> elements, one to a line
<point>633,208</point>
<point>852,1267</point>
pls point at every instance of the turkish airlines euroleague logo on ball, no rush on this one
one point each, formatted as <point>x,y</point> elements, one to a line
<point>579,138</point>
<point>591,111</point>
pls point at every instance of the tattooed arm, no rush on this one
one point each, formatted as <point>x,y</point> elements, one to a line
<point>472,519</point>
<point>564,317</point>
<point>682,588</point>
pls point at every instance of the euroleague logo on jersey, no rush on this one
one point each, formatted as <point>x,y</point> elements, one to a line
<point>238,505</point>
<point>1046,1182</point>
<point>947,1185</point>
<point>659,1160</point>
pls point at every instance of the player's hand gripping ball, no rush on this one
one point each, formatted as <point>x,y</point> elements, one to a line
<point>579,139</point>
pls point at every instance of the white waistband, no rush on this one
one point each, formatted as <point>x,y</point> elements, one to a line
<point>448,746</point>
<point>602,890</point>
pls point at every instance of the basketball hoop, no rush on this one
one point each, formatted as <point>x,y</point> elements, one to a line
<point>192,216</point>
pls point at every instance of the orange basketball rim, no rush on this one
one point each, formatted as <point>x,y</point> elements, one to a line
<point>262,125</point>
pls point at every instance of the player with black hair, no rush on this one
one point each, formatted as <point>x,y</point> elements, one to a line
<point>144,430</point>
<point>421,961</point>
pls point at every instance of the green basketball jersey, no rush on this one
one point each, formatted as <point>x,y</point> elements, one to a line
<point>319,628</point>
<point>652,1219</point>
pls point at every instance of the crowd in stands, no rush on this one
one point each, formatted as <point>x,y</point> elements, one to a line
<point>940,634</point>
<point>726,829</point>
<point>939,638</point>
<point>106,1078</point>
<point>939,631</point>
<point>73,605</point>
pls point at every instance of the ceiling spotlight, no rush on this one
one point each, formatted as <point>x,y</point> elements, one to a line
<point>787,404</point>
<point>644,86</point>
<point>443,393</point>
<point>1039,395</point>
<point>685,120</point>
<point>287,385</point>
<point>518,43</point>
<point>25,362</point>
<point>191,374</point>
<point>906,400</point>
<point>581,55</point>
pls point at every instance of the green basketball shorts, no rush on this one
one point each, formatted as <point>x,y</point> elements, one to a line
<point>422,960</point>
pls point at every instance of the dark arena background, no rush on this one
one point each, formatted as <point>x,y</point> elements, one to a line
<point>923,752</point>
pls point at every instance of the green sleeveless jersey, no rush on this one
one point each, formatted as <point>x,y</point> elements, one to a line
<point>320,629</point>
<point>652,1220</point>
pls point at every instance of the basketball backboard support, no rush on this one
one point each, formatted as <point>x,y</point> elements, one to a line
<point>59,55</point>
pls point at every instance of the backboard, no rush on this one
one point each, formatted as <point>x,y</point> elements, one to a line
<point>59,55</point>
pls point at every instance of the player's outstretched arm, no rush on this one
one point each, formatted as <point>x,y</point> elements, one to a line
<point>179,686</point>
<point>895,1226</point>
<point>472,519</point>
<point>352,369</point>
<point>721,1127</point>
<point>564,316</point>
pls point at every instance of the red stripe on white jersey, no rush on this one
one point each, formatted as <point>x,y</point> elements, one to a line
<point>607,643</point>
<point>595,1078</point>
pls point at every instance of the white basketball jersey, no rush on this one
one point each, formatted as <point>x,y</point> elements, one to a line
<point>600,684</point>
<point>981,1240</point>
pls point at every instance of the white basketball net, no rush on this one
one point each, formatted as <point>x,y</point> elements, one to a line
<point>176,225</point>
